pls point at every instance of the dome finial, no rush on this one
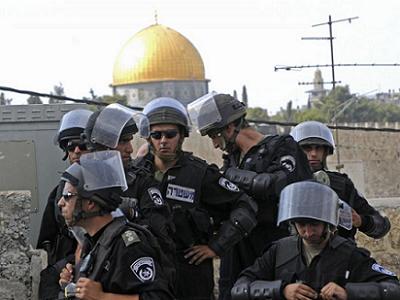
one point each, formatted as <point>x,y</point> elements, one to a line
<point>156,16</point>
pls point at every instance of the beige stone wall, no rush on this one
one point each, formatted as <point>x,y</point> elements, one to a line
<point>386,250</point>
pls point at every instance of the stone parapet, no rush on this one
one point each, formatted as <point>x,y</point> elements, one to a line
<point>386,250</point>
<point>20,265</point>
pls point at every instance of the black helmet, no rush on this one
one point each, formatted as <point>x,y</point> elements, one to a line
<point>106,127</point>
<point>166,110</point>
<point>313,133</point>
<point>213,112</point>
<point>99,177</point>
<point>72,125</point>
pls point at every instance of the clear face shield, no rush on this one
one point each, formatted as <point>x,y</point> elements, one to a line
<point>111,121</point>
<point>204,112</point>
<point>312,200</point>
<point>101,170</point>
<point>312,129</point>
<point>77,118</point>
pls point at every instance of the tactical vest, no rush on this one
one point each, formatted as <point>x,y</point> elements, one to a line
<point>182,192</point>
<point>289,265</point>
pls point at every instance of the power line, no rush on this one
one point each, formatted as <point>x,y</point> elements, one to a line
<point>86,101</point>
<point>341,127</point>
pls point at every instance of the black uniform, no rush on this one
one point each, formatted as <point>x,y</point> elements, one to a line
<point>54,236</point>
<point>373,224</point>
<point>201,199</point>
<point>59,243</point>
<point>126,259</point>
<point>340,262</point>
<point>149,208</point>
<point>281,158</point>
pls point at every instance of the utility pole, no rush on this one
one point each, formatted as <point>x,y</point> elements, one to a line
<point>339,165</point>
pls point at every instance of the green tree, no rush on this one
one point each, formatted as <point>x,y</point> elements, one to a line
<point>4,100</point>
<point>58,90</point>
<point>245,99</point>
<point>34,100</point>
<point>121,99</point>
<point>257,113</point>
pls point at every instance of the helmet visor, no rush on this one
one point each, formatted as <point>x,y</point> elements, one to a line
<point>308,200</point>
<point>204,112</point>
<point>313,129</point>
<point>102,169</point>
<point>77,118</point>
<point>111,121</point>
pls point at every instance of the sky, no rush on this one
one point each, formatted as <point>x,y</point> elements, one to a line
<point>75,42</point>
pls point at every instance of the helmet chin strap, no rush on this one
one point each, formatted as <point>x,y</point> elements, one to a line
<point>79,214</point>
<point>230,143</point>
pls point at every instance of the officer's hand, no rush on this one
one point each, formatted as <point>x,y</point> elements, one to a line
<point>356,219</point>
<point>88,289</point>
<point>296,291</point>
<point>332,291</point>
<point>66,275</point>
<point>199,253</point>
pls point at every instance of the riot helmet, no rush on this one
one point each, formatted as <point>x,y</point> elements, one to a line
<point>313,133</point>
<point>99,177</point>
<point>213,112</point>
<point>72,124</point>
<point>165,110</point>
<point>106,127</point>
<point>315,201</point>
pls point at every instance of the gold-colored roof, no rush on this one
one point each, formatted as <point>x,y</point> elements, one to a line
<point>157,53</point>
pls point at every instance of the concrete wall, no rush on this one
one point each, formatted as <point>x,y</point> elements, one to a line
<point>20,265</point>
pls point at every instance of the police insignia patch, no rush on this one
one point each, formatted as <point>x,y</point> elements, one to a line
<point>130,237</point>
<point>288,162</point>
<point>228,185</point>
<point>380,269</point>
<point>144,269</point>
<point>156,196</point>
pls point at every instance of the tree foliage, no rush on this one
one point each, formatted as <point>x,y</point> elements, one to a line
<point>121,99</point>
<point>257,113</point>
<point>34,100</point>
<point>4,100</point>
<point>58,90</point>
<point>342,106</point>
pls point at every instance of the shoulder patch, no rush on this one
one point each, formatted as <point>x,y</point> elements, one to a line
<point>130,237</point>
<point>144,269</point>
<point>228,185</point>
<point>156,196</point>
<point>378,268</point>
<point>288,162</point>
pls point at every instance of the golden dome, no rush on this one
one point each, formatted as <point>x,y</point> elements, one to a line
<point>157,53</point>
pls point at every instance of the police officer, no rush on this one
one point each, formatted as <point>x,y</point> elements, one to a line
<point>113,128</point>
<point>201,199</point>
<point>260,165</point>
<point>315,263</point>
<point>54,236</point>
<point>120,260</point>
<point>317,142</point>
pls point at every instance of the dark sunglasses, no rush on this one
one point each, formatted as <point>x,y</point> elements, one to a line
<point>169,134</point>
<point>68,195</point>
<point>71,145</point>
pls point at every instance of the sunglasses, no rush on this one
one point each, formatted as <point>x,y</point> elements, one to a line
<point>169,134</point>
<point>71,145</point>
<point>68,195</point>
